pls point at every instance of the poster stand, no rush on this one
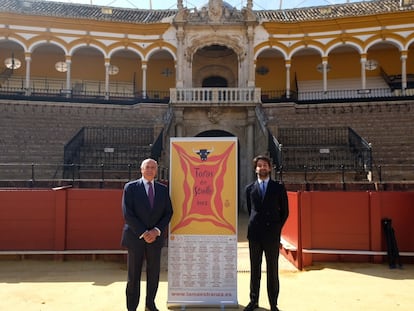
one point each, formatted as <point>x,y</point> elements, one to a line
<point>202,246</point>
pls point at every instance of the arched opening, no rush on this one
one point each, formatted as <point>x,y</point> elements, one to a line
<point>215,133</point>
<point>214,81</point>
<point>215,66</point>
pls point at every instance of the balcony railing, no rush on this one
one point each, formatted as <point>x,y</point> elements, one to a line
<point>345,94</point>
<point>232,96</point>
<point>125,93</point>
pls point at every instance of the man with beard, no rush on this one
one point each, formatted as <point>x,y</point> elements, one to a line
<point>267,205</point>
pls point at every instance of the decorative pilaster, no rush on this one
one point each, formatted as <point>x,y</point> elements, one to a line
<point>180,57</point>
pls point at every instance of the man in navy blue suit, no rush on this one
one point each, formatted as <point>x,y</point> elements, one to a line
<point>267,205</point>
<point>147,210</point>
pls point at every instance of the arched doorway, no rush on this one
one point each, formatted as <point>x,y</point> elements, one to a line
<point>215,66</point>
<point>214,81</point>
<point>215,133</point>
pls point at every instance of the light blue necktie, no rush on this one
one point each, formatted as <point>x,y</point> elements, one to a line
<point>263,188</point>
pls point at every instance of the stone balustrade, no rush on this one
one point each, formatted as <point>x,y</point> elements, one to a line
<point>233,96</point>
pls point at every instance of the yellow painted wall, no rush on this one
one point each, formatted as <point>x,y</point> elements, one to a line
<point>155,79</point>
<point>16,53</point>
<point>388,59</point>
<point>410,61</point>
<point>305,67</point>
<point>43,65</point>
<point>86,67</point>
<point>129,71</point>
<point>276,77</point>
<point>344,65</point>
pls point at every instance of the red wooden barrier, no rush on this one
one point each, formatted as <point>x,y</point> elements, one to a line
<point>94,219</point>
<point>322,226</point>
<point>59,220</point>
<point>27,220</point>
<point>347,226</point>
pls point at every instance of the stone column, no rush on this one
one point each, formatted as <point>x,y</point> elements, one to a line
<point>403,71</point>
<point>28,58</point>
<point>107,64</point>
<point>179,128</point>
<point>144,79</point>
<point>250,139</point>
<point>325,73</point>
<point>68,75</point>
<point>287,66</point>
<point>180,58</point>
<point>250,56</point>
<point>363,73</point>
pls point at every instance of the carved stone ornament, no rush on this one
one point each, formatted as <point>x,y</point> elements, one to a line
<point>215,10</point>
<point>213,115</point>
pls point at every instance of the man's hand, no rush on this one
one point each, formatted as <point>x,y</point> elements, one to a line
<point>150,236</point>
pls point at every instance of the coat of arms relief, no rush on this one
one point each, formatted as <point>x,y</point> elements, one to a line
<point>215,10</point>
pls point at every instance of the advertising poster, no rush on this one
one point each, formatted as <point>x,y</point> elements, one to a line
<point>202,246</point>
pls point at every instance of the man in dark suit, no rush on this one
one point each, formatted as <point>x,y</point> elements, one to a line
<point>267,205</point>
<point>147,210</point>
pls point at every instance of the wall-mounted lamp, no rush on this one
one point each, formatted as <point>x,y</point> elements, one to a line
<point>371,64</point>
<point>12,63</point>
<point>61,66</point>
<point>113,70</point>
<point>320,67</point>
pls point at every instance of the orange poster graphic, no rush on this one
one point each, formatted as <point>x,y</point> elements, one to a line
<point>204,186</point>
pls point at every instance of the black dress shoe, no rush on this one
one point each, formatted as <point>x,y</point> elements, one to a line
<point>154,308</point>
<point>251,306</point>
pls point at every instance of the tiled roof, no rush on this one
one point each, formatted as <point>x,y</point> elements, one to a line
<point>84,11</point>
<point>139,16</point>
<point>333,11</point>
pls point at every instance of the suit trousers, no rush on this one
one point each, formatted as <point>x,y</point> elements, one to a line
<point>271,252</point>
<point>136,255</point>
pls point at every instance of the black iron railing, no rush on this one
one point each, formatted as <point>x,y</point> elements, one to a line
<point>38,175</point>
<point>126,93</point>
<point>275,151</point>
<point>94,91</point>
<point>112,148</point>
<point>361,149</point>
<point>48,175</point>
<point>346,94</point>
<point>322,149</point>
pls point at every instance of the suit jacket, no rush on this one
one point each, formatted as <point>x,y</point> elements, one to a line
<point>138,214</point>
<point>268,215</point>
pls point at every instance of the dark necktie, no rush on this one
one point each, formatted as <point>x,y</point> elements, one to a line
<point>150,194</point>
